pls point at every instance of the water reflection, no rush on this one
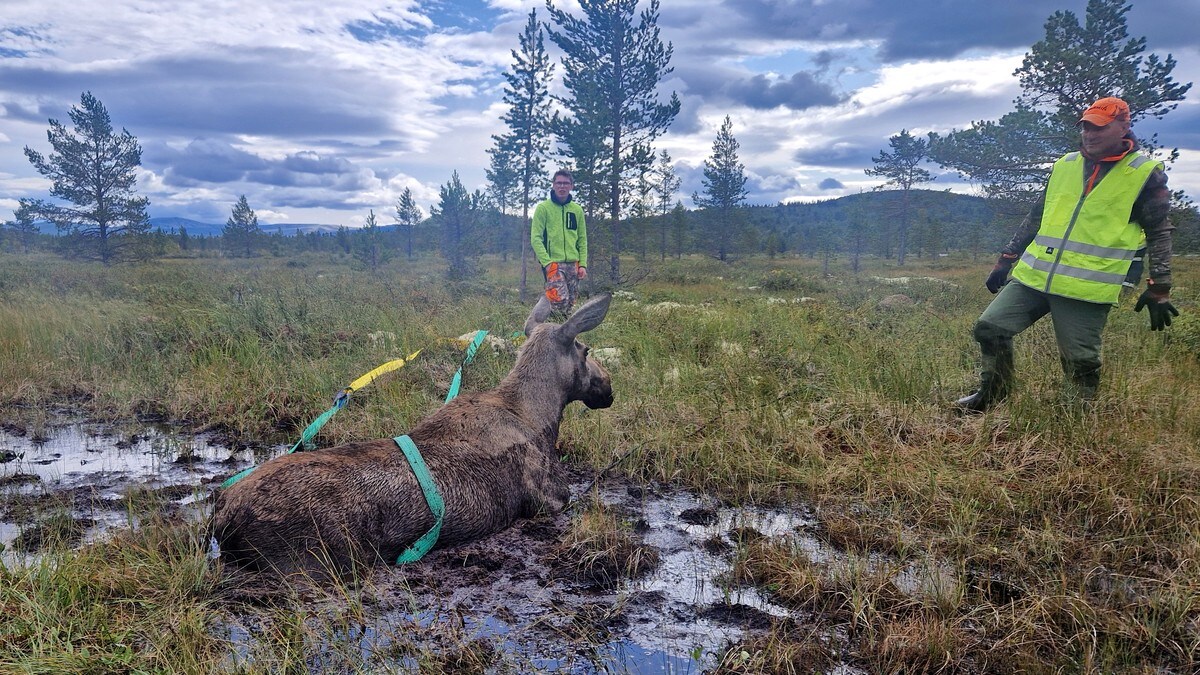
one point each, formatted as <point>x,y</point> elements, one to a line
<point>677,619</point>
<point>89,468</point>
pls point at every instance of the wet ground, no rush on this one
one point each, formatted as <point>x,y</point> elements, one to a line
<point>87,473</point>
<point>509,592</point>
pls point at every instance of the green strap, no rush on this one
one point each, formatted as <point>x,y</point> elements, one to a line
<point>432,497</point>
<point>339,402</point>
<point>343,396</point>
<point>456,382</point>
<point>305,437</point>
<point>237,476</point>
<point>311,430</point>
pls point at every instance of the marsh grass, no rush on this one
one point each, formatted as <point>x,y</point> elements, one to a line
<point>137,602</point>
<point>1071,532</point>
<point>602,548</point>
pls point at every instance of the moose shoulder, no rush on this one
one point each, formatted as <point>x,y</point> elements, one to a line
<point>491,455</point>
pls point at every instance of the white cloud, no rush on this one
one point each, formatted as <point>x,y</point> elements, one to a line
<point>342,125</point>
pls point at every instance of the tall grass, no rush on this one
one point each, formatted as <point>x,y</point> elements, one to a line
<point>1071,531</point>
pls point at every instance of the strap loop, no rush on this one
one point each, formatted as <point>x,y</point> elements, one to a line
<point>432,497</point>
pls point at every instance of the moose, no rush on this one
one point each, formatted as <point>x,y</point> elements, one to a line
<point>491,455</point>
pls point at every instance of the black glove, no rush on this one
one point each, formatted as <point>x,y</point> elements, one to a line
<point>1155,298</point>
<point>999,275</point>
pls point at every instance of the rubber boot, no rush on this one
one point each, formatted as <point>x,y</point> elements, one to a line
<point>1083,382</point>
<point>995,382</point>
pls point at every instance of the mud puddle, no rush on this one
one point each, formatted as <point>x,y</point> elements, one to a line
<point>507,596</point>
<point>81,475</point>
<point>676,619</point>
<point>512,595</point>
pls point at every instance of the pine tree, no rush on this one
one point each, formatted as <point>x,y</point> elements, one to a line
<point>642,206</point>
<point>527,142</point>
<point>504,190</point>
<point>371,251</point>
<point>902,168</point>
<point>1073,66</point>
<point>23,226</point>
<point>612,70</point>
<point>1077,64</point>
<point>95,169</point>
<point>241,235</point>
<point>408,214</point>
<point>667,183</point>
<point>724,191</point>
<point>678,220</point>
<point>457,212</point>
<point>666,186</point>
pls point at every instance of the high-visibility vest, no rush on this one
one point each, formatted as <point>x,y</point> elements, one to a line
<point>1086,241</point>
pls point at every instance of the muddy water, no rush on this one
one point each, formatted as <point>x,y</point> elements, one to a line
<point>88,470</point>
<point>677,619</point>
<point>507,591</point>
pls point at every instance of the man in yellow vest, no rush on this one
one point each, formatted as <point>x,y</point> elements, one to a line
<point>1072,252</point>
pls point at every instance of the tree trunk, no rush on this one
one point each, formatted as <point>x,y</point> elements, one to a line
<point>525,240</point>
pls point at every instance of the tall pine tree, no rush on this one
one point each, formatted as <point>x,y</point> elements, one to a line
<point>902,169</point>
<point>241,235</point>
<point>458,213</point>
<point>612,69</point>
<point>408,214</point>
<point>527,143</point>
<point>724,191</point>
<point>95,169</point>
<point>1072,66</point>
<point>667,184</point>
<point>371,250</point>
<point>504,191</point>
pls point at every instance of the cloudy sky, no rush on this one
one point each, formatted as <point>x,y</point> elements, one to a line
<point>320,111</point>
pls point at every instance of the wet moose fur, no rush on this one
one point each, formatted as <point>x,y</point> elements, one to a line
<point>491,454</point>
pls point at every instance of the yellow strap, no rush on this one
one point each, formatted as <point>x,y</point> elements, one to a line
<point>385,368</point>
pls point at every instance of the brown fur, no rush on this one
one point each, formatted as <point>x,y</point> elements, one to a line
<point>491,454</point>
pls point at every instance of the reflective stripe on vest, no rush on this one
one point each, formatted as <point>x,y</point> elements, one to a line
<point>1086,242</point>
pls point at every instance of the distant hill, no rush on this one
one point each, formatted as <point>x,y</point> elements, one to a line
<point>196,228</point>
<point>938,220</point>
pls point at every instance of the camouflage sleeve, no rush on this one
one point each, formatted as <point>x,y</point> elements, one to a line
<point>1152,210</point>
<point>1026,232</point>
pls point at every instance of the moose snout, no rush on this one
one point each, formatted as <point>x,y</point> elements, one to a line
<point>599,393</point>
<point>600,397</point>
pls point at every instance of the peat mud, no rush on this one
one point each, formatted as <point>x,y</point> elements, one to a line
<point>513,602</point>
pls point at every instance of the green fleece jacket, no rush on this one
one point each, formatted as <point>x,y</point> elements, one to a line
<point>558,232</point>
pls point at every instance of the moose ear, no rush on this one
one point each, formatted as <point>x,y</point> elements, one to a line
<point>586,317</point>
<point>540,311</point>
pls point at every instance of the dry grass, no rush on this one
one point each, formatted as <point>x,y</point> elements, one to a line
<point>1070,534</point>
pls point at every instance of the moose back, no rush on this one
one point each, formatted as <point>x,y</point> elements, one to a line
<point>491,455</point>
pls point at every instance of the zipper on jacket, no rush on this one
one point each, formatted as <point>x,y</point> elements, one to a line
<point>1062,246</point>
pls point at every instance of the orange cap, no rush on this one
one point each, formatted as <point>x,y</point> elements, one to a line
<point>1106,110</point>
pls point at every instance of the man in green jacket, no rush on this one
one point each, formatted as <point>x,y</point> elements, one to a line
<point>1072,253</point>
<point>558,235</point>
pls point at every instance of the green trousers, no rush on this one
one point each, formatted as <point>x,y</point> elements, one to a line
<point>1078,327</point>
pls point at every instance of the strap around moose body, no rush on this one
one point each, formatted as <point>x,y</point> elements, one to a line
<point>432,497</point>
